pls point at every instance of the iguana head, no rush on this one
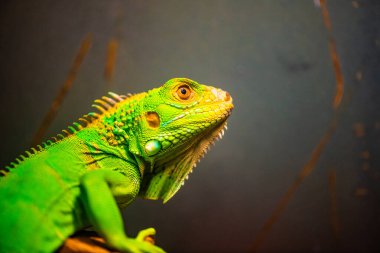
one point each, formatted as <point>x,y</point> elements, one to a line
<point>178,122</point>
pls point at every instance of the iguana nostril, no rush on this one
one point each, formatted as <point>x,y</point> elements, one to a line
<point>227,97</point>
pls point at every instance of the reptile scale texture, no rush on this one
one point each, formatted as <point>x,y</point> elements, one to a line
<point>137,145</point>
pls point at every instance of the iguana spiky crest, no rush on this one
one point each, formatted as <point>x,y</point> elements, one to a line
<point>103,105</point>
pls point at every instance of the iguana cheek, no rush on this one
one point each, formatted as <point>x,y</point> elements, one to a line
<point>152,147</point>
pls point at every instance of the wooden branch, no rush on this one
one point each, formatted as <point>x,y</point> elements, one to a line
<point>85,242</point>
<point>90,242</point>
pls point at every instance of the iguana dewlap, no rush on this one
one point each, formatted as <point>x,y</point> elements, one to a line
<point>139,145</point>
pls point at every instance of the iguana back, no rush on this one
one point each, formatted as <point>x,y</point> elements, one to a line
<point>40,204</point>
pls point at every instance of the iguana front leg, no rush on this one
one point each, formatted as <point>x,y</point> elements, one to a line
<point>99,189</point>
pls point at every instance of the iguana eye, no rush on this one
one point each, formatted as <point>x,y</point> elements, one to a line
<point>184,92</point>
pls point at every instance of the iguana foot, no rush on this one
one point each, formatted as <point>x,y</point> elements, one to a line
<point>143,243</point>
<point>147,235</point>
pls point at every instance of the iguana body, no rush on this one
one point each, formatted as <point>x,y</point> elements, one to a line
<point>145,145</point>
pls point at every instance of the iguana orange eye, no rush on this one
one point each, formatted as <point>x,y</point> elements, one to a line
<point>184,92</point>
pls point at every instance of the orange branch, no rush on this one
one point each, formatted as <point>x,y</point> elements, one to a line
<point>284,201</point>
<point>49,117</point>
<point>310,165</point>
<point>111,59</point>
<point>334,56</point>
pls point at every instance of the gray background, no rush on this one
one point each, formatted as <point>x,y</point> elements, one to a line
<point>273,58</point>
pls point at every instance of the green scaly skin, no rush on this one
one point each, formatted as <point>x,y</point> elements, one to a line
<point>141,145</point>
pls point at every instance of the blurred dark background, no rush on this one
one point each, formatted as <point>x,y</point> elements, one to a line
<point>275,59</point>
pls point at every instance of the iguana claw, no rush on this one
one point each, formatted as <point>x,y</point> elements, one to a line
<point>147,235</point>
<point>143,243</point>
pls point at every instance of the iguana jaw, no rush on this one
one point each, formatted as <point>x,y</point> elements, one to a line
<point>199,151</point>
<point>168,180</point>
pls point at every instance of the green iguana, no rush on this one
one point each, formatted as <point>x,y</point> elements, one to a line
<point>138,145</point>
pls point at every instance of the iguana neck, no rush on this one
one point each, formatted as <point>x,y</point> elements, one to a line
<point>117,128</point>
